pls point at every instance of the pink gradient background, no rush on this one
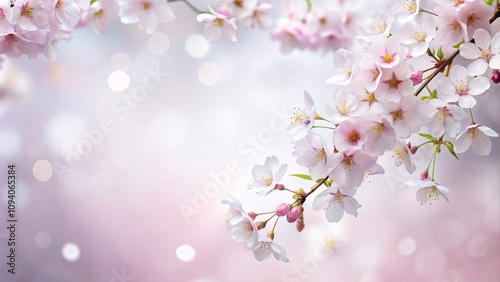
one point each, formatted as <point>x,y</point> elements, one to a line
<point>122,205</point>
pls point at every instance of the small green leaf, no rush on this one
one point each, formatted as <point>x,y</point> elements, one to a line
<point>458,45</point>
<point>449,145</point>
<point>423,98</point>
<point>489,2</point>
<point>303,176</point>
<point>434,94</point>
<point>440,53</point>
<point>427,136</point>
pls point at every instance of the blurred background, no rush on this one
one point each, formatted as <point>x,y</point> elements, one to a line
<point>126,144</point>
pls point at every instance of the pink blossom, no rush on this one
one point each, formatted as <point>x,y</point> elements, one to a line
<point>419,34</point>
<point>367,72</point>
<point>30,15</point>
<point>267,176</point>
<point>294,214</point>
<point>257,16</point>
<point>303,119</point>
<point>478,136</point>
<point>428,190</point>
<point>345,105</point>
<point>481,52</point>
<point>377,25</point>
<point>416,77</point>
<point>450,29</point>
<point>476,15</point>
<point>381,136</point>
<point>217,26</point>
<point>443,117</point>
<point>406,9</point>
<point>312,152</point>
<point>282,209</point>
<point>395,83</point>
<point>403,156</point>
<point>350,134</point>
<point>335,201</point>
<point>148,13</point>
<point>5,18</point>
<point>404,116</point>
<point>265,247</point>
<point>349,167</point>
<point>343,61</point>
<point>460,87</point>
<point>388,52</point>
<point>67,13</point>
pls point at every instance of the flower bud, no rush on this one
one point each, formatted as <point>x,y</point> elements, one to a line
<point>282,209</point>
<point>413,150</point>
<point>300,224</point>
<point>279,187</point>
<point>495,76</point>
<point>252,215</point>
<point>293,214</point>
<point>424,175</point>
<point>260,225</point>
<point>271,235</point>
<point>416,77</point>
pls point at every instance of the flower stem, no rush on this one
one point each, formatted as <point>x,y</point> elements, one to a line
<point>428,12</point>
<point>471,117</point>
<point>320,126</point>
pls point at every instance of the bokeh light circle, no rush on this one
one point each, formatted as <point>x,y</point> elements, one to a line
<point>42,170</point>
<point>43,239</point>
<point>121,61</point>
<point>70,252</point>
<point>197,46</point>
<point>158,43</point>
<point>185,253</point>
<point>208,74</point>
<point>118,81</point>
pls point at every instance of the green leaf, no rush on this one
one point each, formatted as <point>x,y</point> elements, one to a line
<point>458,45</point>
<point>427,136</point>
<point>423,98</point>
<point>449,145</point>
<point>303,176</point>
<point>434,94</point>
<point>489,2</point>
<point>440,53</point>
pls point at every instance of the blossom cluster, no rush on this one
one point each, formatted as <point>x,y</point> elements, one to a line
<point>33,27</point>
<point>402,80</point>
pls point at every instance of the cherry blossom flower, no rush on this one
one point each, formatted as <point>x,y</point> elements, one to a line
<point>239,7</point>
<point>381,136</point>
<point>349,167</point>
<point>377,25</point>
<point>481,52</point>
<point>419,33</point>
<point>428,190</point>
<point>14,45</point>
<point>343,61</point>
<point>459,87</point>
<point>267,176</point>
<point>50,47</point>
<point>257,16</point>
<point>388,52</point>
<point>67,14</point>
<point>148,13</point>
<point>367,72</point>
<point>291,35</point>
<point>476,15</point>
<point>335,201</point>
<point>395,83</point>
<point>218,25</point>
<point>407,9</point>
<point>312,152</point>
<point>303,119</point>
<point>5,18</point>
<point>99,13</point>
<point>404,116</point>
<point>350,134</point>
<point>345,105</point>
<point>443,117</point>
<point>30,15</point>
<point>265,247</point>
<point>402,156</point>
<point>240,224</point>
<point>478,136</point>
<point>450,29</point>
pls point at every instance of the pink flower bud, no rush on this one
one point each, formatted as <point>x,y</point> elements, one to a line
<point>416,77</point>
<point>293,214</point>
<point>413,150</point>
<point>252,215</point>
<point>279,187</point>
<point>282,209</point>
<point>495,76</point>
<point>424,175</point>
<point>300,224</point>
